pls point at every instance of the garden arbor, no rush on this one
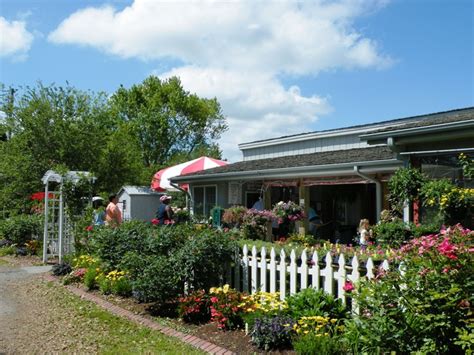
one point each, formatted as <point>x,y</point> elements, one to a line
<point>57,237</point>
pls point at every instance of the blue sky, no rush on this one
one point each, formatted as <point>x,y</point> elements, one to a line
<point>277,68</point>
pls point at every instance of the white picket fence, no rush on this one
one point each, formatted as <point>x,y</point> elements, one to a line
<point>259,271</point>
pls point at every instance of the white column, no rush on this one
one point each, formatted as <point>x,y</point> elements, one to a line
<point>45,231</point>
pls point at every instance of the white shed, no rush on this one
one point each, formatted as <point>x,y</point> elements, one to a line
<point>138,202</point>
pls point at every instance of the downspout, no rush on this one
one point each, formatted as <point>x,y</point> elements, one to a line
<point>378,191</point>
<point>188,196</point>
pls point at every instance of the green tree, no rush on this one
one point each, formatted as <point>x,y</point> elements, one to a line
<point>170,123</point>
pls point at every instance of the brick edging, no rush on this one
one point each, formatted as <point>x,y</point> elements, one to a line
<point>118,311</point>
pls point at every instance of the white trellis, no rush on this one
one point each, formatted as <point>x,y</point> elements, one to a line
<point>57,235</point>
<point>255,272</point>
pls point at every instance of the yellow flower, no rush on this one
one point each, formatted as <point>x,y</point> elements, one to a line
<point>225,289</point>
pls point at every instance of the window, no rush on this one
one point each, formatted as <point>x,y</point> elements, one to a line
<point>205,198</point>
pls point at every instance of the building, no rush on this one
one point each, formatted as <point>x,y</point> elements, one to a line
<point>138,202</point>
<point>342,173</point>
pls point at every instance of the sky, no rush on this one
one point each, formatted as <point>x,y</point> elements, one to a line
<point>276,67</point>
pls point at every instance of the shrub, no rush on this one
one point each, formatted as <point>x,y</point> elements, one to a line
<point>76,275</point>
<point>194,308</point>
<point>254,225</point>
<point>405,185</point>
<point>61,269</point>
<point>273,332</point>
<point>392,234</point>
<point>311,302</point>
<point>261,304</point>
<point>204,258</point>
<point>425,308</point>
<point>20,229</point>
<point>7,250</point>
<point>158,281</point>
<point>115,282</point>
<point>91,277</point>
<point>317,343</point>
<point>233,216</point>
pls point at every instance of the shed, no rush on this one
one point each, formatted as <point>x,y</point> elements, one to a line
<point>138,202</point>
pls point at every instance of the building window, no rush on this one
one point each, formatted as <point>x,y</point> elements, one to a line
<point>205,199</point>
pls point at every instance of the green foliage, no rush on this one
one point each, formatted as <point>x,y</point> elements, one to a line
<point>61,269</point>
<point>425,308</point>
<point>405,185</point>
<point>91,277</point>
<point>159,281</point>
<point>7,250</point>
<point>311,302</point>
<point>22,228</point>
<point>467,165</point>
<point>392,234</point>
<point>167,120</point>
<point>314,343</point>
<point>204,258</point>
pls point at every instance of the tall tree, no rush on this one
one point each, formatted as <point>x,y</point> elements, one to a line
<point>168,120</point>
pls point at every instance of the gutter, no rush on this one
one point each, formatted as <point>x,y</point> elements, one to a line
<point>378,191</point>
<point>296,172</point>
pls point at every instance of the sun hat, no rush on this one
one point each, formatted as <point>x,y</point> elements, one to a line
<point>165,197</point>
<point>97,198</point>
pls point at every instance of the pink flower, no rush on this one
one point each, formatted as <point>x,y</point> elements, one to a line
<point>155,221</point>
<point>447,249</point>
<point>348,286</point>
<point>214,299</point>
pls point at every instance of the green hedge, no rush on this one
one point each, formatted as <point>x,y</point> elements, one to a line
<point>22,228</point>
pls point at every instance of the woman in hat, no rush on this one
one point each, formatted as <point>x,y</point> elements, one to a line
<point>165,213</point>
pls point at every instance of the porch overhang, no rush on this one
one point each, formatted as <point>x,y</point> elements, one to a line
<point>327,170</point>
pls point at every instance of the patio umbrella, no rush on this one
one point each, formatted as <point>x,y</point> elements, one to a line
<point>161,180</point>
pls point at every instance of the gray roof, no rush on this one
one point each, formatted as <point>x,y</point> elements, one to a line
<point>412,121</point>
<point>355,156</point>
<point>138,190</point>
<point>465,114</point>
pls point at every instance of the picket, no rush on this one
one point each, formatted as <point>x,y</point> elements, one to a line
<point>276,273</point>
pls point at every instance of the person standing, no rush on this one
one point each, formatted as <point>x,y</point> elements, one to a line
<point>165,212</point>
<point>99,212</point>
<point>113,215</point>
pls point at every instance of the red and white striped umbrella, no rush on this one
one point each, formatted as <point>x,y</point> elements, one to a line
<point>161,180</point>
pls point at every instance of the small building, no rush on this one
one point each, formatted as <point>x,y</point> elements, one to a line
<point>138,202</point>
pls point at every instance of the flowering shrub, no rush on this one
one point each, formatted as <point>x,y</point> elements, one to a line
<point>261,304</point>
<point>234,215</point>
<point>116,282</point>
<point>194,308</point>
<point>226,309</point>
<point>315,324</point>
<point>255,223</point>
<point>84,261</point>
<point>76,275</point>
<point>272,332</point>
<point>288,211</point>
<point>426,306</point>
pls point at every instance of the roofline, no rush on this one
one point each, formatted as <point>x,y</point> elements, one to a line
<point>341,131</point>
<point>441,127</point>
<point>368,167</point>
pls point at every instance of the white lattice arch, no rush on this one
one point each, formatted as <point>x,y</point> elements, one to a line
<point>57,238</point>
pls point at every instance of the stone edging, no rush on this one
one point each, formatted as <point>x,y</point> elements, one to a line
<point>118,311</point>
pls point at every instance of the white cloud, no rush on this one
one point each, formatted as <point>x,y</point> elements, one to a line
<point>15,40</point>
<point>236,51</point>
<point>257,104</point>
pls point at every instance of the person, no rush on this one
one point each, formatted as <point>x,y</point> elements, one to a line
<point>364,232</point>
<point>113,215</point>
<point>165,212</point>
<point>99,213</point>
<point>314,221</point>
<point>258,205</point>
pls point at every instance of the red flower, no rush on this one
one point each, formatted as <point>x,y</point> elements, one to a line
<point>348,286</point>
<point>155,221</point>
<point>89,228</point>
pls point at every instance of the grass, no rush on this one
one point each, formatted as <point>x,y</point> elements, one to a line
<point>112,334</point>
<point>7,251</point>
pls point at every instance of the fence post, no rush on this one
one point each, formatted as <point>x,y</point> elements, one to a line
<point>293,272</point>
<point>354,277</point>
<point>254,266</point>
<point>263,270</point>
<point>273,270</point>
<point>304,270</point>
<point>282,269</point>
<point>328,274</point>
<point>370,269</point>
<point>341,280</point>
<point>245,268</point>
<point>237,265</point>
<point>315,271</point>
